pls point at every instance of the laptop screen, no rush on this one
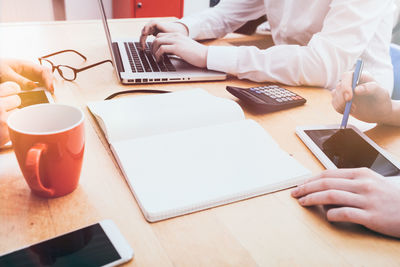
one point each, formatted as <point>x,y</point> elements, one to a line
<point>107,30</point>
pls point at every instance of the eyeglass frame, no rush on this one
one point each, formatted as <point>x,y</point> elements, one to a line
<point>75,70</point>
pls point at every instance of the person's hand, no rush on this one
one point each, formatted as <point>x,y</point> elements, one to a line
<point>359,196</point>
<point>26,73</point>
<point>154,27</point>
<point>371,102</point>
<point>182,46</point>
<point>9,101</point>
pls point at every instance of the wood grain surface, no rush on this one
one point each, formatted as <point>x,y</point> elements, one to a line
<point>270,230</point>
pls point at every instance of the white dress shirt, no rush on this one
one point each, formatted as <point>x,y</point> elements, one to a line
<point>315,40</point>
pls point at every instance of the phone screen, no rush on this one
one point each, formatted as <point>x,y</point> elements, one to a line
<point>88,246</point>
<point>29,98</point>
<point>346,149</point>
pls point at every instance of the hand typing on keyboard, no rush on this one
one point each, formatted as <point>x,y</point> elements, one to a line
<point>172,38</point>
<point>182,46</point>
<point>154,28</point>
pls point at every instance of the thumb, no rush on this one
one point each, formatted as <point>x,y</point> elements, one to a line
<point>366,89</point>
<point>21,80</point>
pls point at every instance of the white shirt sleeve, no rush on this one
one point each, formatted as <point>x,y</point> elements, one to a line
<point>224,18</point>
<point>348,29</point>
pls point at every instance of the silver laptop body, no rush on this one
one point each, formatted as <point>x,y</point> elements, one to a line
<point>134,66</point>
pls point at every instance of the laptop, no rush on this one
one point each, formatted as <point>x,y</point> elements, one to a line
<point>135,66</point>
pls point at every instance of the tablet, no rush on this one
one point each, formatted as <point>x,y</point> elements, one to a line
<point>347,148</point>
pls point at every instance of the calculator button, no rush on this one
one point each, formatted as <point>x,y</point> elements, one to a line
<point>268,97</point>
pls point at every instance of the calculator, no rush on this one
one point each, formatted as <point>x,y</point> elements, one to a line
<point>267,98</point>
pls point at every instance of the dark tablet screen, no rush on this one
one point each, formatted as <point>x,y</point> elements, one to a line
<point>346,149</point>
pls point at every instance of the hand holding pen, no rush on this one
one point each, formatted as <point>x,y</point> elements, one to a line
<point>370,101</point>
<point>354,83</point>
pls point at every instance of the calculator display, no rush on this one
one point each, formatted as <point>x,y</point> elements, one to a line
<point>346,149</point>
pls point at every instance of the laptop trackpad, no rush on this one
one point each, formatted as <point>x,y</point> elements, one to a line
<point>180,64</point>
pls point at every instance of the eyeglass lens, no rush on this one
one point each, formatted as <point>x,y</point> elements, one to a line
<point>66,72</point>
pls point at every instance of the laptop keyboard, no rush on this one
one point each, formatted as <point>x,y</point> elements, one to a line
<point>144,61</point>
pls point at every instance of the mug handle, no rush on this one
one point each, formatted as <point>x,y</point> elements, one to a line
<point>32,164</point>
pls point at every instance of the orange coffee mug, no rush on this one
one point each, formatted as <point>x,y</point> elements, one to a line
<point>48,141</point>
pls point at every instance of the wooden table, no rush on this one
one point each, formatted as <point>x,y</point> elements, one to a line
<point>268,230</point>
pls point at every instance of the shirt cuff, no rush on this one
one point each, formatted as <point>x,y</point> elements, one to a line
<point>223,58</point>
<point>191,25</point>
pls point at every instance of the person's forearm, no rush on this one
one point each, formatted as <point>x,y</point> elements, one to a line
<point>224,18</point>
<point>292,65</point>
<point>319,61</point>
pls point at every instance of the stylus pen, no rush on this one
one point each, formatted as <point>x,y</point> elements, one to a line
<point>356,79</point>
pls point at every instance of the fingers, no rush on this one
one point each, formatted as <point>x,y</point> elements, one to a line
<point>9,99</point>
<point>333,197</point>
<point>366,77</point>
<point>370,88</point>
<point>38,73</point>
<point>341,173</point>
<point>345,86</point>
<point>325,184</point>
<point>338,179</point>
<point>338,101</point>
<point>10,102</point>
<point>148,29</point>
<point>26,73</point>
<point>346,83</point>
<point>164,49</point>
<point>348,214</point>
<point>162,40</point>
<point>4,137</point>
<point>343,91</point>
<point>21,80</point>
<point>9,88</point>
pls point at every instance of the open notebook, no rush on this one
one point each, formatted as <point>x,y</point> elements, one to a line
<point>187,151</point>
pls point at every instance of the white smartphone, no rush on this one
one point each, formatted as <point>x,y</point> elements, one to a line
<point>29,98</point>
<point>100,244</point>
<point>347,148</point>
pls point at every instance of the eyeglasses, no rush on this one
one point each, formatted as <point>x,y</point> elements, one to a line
<point>67,72</point>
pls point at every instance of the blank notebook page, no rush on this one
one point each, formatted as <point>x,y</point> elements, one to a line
<point>181,172</point>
